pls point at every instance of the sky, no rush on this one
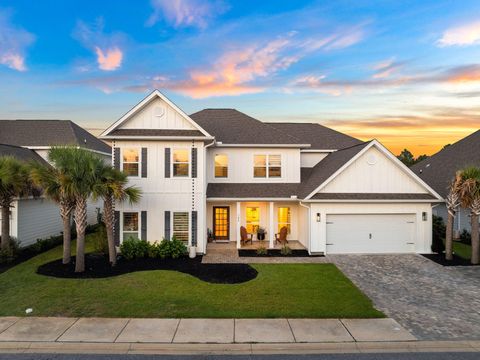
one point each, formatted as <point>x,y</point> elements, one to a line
<point>404,72</point>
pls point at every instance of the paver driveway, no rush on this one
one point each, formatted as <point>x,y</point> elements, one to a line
<point>429,300</point>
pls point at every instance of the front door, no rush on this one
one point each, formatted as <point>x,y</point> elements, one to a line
<point>221,222</point>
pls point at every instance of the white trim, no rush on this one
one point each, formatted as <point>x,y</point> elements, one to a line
<point>263,145</point>
<point>317,151</point>
<point>144,102</point>
<point>251,199</point>
<point>374,201</point>
<point>139,161</point>
<point>390,156</point>
<point>158,137</point>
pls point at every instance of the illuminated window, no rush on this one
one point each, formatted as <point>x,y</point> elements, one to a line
<point>253,219</point>
<point>130,225</point>
<point>267,166</point>
<point>181,162</point>
<point>131,161</point>
<point>284,218</point>
<point>180,226</point>
<point>221,166</point>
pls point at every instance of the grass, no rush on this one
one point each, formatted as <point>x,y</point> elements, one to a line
<point>280,290</point>
<point>462,250</point>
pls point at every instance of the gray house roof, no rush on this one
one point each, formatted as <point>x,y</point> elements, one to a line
<point>372,196</point>
<point>32,133</point>
<point>319,136</point>
<point>20,153</point>
<point>439,169</point>
<point>155,132</point>
<point>231,126</point>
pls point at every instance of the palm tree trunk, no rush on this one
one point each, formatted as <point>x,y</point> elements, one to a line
<point>108,219</point>
<point>67,239</point>
<point>449,237</point>
<point>5,226</point>
<point>475,239</point>
<point>80,225</point>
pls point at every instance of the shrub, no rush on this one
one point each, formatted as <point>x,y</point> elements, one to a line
<point>133,248</point>
<point>164,249</point>
<point>99,240</point>
<point>177,248</point>
<point>262,250</point>
<point>438,235</point>
<point>466,237</point>
<point>153,250</point>
<point>11,252</point>
<point>285,250</point>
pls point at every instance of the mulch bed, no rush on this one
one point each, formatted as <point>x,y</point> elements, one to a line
<point>272,253</point>
<point>440,259</point>
<point>97,266</point>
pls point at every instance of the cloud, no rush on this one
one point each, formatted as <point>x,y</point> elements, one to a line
<point>386,68</point>
<point>14,42</point>
<point>186,13</point>
<point>463,35</point>
<point>106,47</point>
<point>463,74</point>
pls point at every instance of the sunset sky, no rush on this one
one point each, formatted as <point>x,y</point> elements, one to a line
<point>404,72</point>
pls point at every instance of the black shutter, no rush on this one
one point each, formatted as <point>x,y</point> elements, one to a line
<point>116,228</point>
<point>194,228</point>
<point>167,162</point>
<point>144,225</point>
<point>194,162</point>
<point>144,162</point>
<point>167,225</point>
<point>116,158</point>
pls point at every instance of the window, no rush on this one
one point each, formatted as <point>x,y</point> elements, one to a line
<point>267,166</point>
<point>131,161</point>
<point>221,166</point>
<point>180,162</point>
<point>180,226</point>
<point>130,225</point>
<point>253,219</point>
<point>283,218</point>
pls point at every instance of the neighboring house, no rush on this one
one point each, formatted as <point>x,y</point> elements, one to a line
<point>38,218</point>
<point>439,170</point>
<point>220,169</point>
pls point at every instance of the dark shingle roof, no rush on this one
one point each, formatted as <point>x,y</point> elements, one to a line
<point>319,136</point>
<point>328,166</point>
<point>154,132</point>
<point>439,169</point>
<point>251,190</point>
<point>231,126</point>
<point>20,153</point>
<point>48,133</point>
<point>371,196</point>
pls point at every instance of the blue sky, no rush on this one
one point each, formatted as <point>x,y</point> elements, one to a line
<point>404,72</point>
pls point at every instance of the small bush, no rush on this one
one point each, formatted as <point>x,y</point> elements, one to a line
<point>132,248</point>
<point>262,250</point>
<point>285,250</point>
<point>438,235</point>
<point>153,250</point>
<point>466,237</point>
<point>11,252</point>
<point>177,248</point>
<point>99,240</point>
<point>164,249</point>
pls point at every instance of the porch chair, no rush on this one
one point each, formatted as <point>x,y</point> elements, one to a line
<point>281,237</point>
<point>245,236</point>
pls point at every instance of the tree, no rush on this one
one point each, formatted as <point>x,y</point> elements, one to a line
<point>452,202</point>
<point>408,159</point>
<point>111,186</point>
<point>470,198</point>
<point>53,181</point>
<point>14,182</point>
<point>79,165</point>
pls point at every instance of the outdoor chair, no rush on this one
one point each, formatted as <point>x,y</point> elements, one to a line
<point>245,236</point>
<point>281,237</point>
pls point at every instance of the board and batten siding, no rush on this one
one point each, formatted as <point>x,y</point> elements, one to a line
<point>310,159</point>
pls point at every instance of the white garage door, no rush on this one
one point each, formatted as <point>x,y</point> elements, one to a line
<point>370,233</point>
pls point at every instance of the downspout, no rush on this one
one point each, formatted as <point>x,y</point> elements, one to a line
<point>309,225</point>
<point>205,193</point>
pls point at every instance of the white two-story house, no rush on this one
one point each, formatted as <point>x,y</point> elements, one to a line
<point>220,169</point>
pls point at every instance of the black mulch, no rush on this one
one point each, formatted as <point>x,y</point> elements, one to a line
<point>272,253</point>
<point>440,259</point>
<point>97,266</point>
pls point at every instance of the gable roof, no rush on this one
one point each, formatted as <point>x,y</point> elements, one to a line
<point>439,169</point>
<point>45,133</point>
<point>231,126</point>
<point>20,153</point>
<point>318,136</point>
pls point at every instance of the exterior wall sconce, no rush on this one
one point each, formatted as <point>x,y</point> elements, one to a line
<point>424,216</point>
<point>319,217</point>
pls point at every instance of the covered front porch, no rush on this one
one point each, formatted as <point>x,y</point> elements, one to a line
<point>225,219</point>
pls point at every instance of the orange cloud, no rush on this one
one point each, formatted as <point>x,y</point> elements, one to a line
<point>109,60</point>
<point>464,74</point>
<point>463,35</point>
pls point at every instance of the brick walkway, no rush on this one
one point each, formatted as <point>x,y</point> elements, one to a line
<point>429,300</point>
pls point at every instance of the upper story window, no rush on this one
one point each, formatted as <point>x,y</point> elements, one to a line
<point>131,161</point>
<point>221,166</point>
<point>181,162</point>
<point>267,166</point>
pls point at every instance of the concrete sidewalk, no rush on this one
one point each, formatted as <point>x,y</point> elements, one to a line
<point>198,331</point>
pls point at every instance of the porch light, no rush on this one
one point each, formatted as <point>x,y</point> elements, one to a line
<point>424,216</point>
<point>319,217</point>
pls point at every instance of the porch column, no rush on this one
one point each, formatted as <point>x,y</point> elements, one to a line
<point>238,225</point>
<point>271,229</point>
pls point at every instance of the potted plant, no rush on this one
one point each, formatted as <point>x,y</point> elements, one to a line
<point>209,235</point>
<point>261,233</point>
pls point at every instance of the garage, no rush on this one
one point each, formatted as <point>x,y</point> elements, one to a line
<point>370,233</point>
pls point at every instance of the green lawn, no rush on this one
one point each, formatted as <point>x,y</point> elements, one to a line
<point>280,290</point>
<point>462,250</point>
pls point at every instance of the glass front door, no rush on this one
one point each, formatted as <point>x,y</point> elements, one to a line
<point>221,222</point>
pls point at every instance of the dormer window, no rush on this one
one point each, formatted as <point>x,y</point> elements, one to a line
<point>131,161</point>
<point>267,166</point>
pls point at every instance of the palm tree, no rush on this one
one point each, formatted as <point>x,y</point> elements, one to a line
<point>452,202</point>
<point>53,181</point>
<point>14,182</point>
<point>470,198</point>
<point>80,166</point>
<point>111,186</point>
